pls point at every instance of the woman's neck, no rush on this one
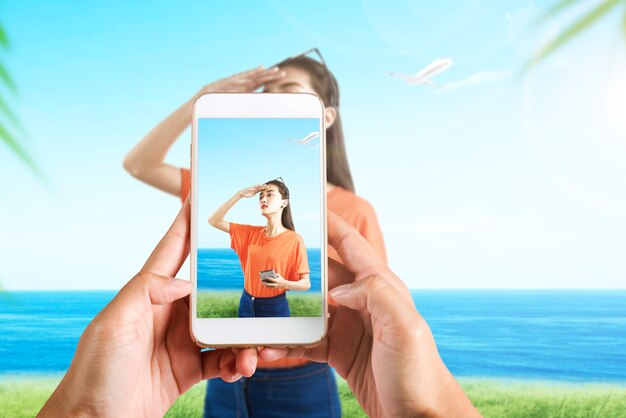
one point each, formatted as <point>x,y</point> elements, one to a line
<point>274,226</point>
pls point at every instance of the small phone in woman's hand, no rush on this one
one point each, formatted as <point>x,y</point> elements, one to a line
<point>267,276</point>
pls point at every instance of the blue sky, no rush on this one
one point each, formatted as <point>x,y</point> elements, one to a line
<point>237,153</point>
<point>517,182</point>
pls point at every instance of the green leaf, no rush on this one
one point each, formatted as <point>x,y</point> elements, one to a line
<point>11,142</point>
<point>624,23</point>
<point>8,81</point>
<point>571,32</point>
<point>8,113</point>
<point>562,5</point>
<point>4,39</point>
<point>556,9</point>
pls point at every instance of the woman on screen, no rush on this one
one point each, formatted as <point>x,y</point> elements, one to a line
<point>275,249</point>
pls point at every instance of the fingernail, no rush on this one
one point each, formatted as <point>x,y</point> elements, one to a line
<point>180,282</point>
<point>339,291</point>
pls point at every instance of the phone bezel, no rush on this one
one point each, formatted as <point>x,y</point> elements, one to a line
<point>247,332</point>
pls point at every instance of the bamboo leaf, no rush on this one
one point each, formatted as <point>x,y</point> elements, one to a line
<point>562,5</point>
<point>4,39</point>
<point>556,9</point>
<point>571,32</point>
<point>8,81</point>
<point>9,140</point>
<point>8,113</point>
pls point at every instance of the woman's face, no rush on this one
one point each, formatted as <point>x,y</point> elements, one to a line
<point>270,201</point>
<point>297,80</point>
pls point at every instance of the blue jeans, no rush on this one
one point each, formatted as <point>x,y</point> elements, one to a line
<point>308,391</point>
<point>251,307</point>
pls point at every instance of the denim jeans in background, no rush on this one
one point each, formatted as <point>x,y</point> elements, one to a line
<point>308,391</point>
<point>251,307</point>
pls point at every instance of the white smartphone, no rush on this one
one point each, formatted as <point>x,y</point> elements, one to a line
<point>258,209</point>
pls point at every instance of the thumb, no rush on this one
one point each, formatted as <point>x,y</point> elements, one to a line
<point>164,290</point>
<point>350,295</point>
<point>375,294</point>
<point>147,289</point>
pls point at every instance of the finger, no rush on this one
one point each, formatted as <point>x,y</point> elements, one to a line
<point>273,354</point>
<point>338,274</point>
<point>376,295</point>
<point>268,78</point>
<point>173,249</point>
<point>163,290</point>
<point>143,291</point>
<point>357,254</point>
<point>251,71</point>
<point>219,363</point>
<point>185,358</point>
<point>246,361</point>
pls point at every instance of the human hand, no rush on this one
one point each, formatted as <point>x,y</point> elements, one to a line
<point>136,356</point>
<point>245,82</point>
<point>252,190</point>
<point>377,341</point>
<point>278,282</point>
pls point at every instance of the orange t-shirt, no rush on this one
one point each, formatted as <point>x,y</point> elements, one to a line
<point>355,210</point>
<point>359,213</point>
<point>284,253</point>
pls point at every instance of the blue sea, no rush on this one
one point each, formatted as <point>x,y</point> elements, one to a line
<point>575,336</point>
<point>220,269</point>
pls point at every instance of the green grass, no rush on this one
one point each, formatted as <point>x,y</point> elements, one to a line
<point>224,304</point>
<point>24,396</point>
<point>517,398</point>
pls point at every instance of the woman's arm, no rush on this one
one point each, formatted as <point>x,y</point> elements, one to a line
<point>217,218</point>
<point>146,161</point>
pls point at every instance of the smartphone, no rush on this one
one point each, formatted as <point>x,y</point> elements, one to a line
<point>258,207</point>
<point>267,275</point>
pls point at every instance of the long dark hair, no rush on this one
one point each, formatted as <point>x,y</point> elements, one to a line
<point>286,218</point>
<point>325,85</point>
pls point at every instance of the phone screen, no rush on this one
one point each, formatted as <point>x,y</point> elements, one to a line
<point>259,202</point>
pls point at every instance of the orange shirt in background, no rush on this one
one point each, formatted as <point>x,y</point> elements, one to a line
<point>359,213</point>
<point>355,210</point>
<point>284,253</point>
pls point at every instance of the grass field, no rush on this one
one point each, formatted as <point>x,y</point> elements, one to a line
<point>24,396</point>
<point>224,304</point>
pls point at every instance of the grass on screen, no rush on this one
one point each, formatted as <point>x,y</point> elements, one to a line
<point>224,304</point>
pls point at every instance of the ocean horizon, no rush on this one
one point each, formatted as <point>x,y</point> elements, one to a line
<point>220,269</point>
<point>574,336</point>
